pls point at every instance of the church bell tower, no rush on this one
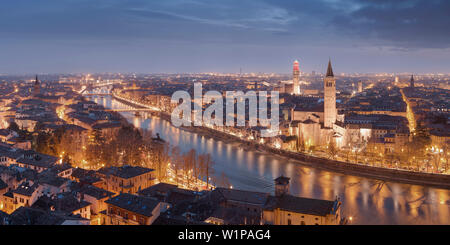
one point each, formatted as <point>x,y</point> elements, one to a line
<point>330,112</point>
<point>37,87</point>
<point>296,78</point>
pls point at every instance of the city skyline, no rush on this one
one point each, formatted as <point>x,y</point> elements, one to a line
<point>108,150</point>
<point>199,36</point>
<point>249,115</point>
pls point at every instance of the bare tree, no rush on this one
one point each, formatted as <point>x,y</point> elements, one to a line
<point>206,167</point>
<point>190,162</point>
<point>222,181</point>
<point>332,149</point>
<point>176,160</point>
<point>160,159</point>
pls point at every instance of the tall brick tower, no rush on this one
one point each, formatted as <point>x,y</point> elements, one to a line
<point>36,87</point>
<point>296,79</point>
<point>330,112</point>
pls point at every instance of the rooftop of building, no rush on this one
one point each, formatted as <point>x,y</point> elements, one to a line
<point>37,159</point>
<point>136,204</point>
<point>10,152</point>
<point>52,179</point>
<point>301,205</point>
<point>32,216</point>
<point>80,173</point>
<point>3,185</point>
<point>233,216</point>
<point>64,202</point>
<point>19,173</point>
<point>168,219</point>
<point>125,172</point>
<point>26,188</point>
<point>256,198</point>
<point>94,191</point>
<point>160,189</point>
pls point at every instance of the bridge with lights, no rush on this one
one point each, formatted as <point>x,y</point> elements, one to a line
<point>100,88</point>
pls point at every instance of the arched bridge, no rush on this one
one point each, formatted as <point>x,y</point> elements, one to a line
<point>98,88</point>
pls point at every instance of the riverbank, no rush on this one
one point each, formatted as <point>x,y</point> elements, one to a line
<point>385,174</point>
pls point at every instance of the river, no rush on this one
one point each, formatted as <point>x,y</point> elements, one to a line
<point>367,201</point>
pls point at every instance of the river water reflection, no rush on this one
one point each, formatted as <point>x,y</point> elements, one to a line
<point>367,201</point>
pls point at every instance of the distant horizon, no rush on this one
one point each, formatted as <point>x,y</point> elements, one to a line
<point>287,71</point>
<point>222,73</point>
<point>199,36</point>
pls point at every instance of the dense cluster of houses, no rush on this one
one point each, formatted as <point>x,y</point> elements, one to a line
<point>38,189</point>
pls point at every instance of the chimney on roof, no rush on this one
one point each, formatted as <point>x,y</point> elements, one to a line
<point>80,196</point>
<point>281,185</point>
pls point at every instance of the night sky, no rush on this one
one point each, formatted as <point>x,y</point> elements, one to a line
<point>175,36</point>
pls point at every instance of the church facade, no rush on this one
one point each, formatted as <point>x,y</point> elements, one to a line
<point>320,125</point>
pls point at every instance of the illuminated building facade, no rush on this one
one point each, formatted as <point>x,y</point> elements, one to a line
<point>330,112</point>
<point>296,78</point>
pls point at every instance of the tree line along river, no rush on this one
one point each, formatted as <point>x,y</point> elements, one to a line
<point>367,201</point>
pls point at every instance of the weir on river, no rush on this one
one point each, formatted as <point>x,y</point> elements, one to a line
<point>367,201</point>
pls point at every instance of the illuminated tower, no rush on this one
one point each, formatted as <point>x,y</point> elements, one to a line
<point>296,79</point>
<point>411,82</point>
<point>360,88</point>
<point>330,112</point>
<point>37,87</point>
